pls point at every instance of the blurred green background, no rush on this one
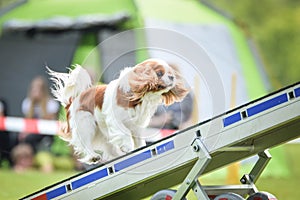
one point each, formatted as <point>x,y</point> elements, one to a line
<point>274,25</point>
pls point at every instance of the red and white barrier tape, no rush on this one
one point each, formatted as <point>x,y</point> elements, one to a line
<point>45,127</point>
<point>37,126</point>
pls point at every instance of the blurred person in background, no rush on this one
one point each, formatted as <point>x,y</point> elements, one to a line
<point>7,139</point>
<point>39,105</point>
<point>176,116</point>
<point>23,157</point>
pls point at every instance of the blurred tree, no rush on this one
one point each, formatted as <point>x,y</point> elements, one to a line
<point>275,26</point>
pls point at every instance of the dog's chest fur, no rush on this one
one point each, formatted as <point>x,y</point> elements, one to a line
<point>138,115</point>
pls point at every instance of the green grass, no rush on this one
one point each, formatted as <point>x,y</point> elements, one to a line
<point>14,186</point>
<point>287,189</point>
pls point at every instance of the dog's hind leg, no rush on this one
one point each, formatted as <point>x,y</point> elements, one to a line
<point>83,133</point>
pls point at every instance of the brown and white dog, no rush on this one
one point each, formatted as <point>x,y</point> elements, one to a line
<point>104,121</point>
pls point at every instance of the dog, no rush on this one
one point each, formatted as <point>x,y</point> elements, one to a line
<point>105,121</point>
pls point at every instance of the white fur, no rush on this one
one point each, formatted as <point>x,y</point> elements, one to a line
<point>67,86</point>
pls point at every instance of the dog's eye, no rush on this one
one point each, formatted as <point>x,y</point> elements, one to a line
<point>159,74</point>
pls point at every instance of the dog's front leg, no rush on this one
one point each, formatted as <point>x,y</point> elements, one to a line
<point>139,140</point>
<point>119,136</point>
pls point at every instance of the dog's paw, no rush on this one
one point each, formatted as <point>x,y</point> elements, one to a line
<point>122,145</point>
<point>92,159</point>
<point>126,149</point>
<point>95,160</point>
<point>121,150</point>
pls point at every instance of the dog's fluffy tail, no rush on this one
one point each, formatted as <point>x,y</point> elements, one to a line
<point>67,86</point>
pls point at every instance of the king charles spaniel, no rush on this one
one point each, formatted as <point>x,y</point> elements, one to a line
<point>105,121</point>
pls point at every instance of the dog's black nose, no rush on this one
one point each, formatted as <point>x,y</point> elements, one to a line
<point>171,78</point>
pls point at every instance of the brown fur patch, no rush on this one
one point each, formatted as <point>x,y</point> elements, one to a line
<point>87,100</point>
<point>92,97</point>
<point>124,101</point>
<point>99,98</point>
<point>159,68</point>
<point>67,130</point>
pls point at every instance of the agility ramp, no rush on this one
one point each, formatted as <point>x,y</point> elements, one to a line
<point>183,157</point>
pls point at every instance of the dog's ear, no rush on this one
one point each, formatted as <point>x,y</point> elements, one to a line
<point>178,92</point>
<point>142,79</point>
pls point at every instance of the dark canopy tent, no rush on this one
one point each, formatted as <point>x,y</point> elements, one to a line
<point>23,57</point>
<point>26,47</point>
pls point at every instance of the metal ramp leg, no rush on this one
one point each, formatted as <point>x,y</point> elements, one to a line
<point>248,180</point>
<point>258,168</point>
<point>199,191</point>
<point>191,181</point>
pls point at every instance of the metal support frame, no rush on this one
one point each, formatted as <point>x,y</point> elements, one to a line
<point>248,180</point>
<point>201,192</point>
<point>260,165</point>
<point>191,180</point>
<point>258,168</point>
